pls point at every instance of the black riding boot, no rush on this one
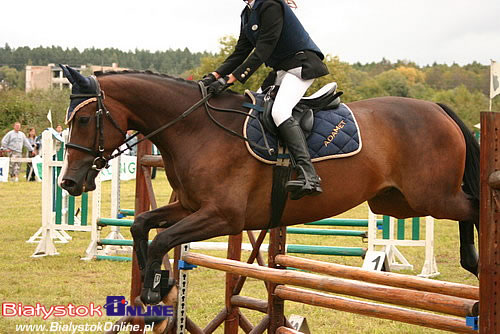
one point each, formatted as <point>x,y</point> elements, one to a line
<point>307,182</point>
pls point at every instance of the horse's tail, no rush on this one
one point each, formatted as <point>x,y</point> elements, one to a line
<point>471,173</point>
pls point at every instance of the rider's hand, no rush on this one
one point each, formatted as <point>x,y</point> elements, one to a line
<point>232,79</point>
<point>208,79</point>
<point>220,85</point>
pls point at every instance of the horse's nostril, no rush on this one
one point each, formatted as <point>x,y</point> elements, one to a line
<point>67,183</point>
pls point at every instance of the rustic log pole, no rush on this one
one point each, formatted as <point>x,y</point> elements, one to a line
<point>398,296</point>
<point>149,160</point>
<point>383,278</point>
<point>250,303</point>
<point>216,322</point>
<point>489,235</point>
<point>261,327</point>
<point>245,324</point>
<point>456,325</point>
<point>231,324</point>
<point>142,204</point>
<point>253,256</point>
<point>192,328</point>
<point>276,305</point>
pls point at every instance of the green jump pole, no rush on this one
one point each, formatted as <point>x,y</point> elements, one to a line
<point>113,258</point>
<point>71,211</point>
<point>342,222</point>
<point>55,175</point>
<point>127,212</point>
<point>415,228</point>
<point>320,231</point>
<point>84,214</point>
<point>115,222</point>
<point>326,250</point>
<point>401,229</point>
<point>386,227</point>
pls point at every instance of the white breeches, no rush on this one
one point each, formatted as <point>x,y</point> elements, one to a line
<point>292,89</point>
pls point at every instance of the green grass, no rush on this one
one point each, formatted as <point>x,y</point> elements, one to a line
<point>63,279</point>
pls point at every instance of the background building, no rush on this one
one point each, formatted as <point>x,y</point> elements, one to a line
<point>51,76</point>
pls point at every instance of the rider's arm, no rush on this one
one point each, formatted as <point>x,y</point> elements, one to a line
<point>271,21</point>
<point>240,53</point>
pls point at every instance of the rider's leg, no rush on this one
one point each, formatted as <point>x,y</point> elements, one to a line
<point>292,89</point>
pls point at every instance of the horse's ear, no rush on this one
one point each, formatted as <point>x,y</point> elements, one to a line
<point>67,74</point>
<point>76,77</point>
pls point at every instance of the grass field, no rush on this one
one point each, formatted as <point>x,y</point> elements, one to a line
<point>64,279</point>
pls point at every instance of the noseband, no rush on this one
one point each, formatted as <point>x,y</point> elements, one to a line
<point>100,160</point>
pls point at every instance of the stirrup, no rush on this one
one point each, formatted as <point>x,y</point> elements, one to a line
<point>304,186</point>
<point>157,284</point>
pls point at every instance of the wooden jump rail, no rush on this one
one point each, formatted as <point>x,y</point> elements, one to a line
<point>456,325</point>
<point>411,298</point>
<point>383,278</point>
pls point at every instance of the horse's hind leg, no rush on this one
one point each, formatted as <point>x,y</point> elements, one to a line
<point>464,209</point>
<point>459,207</point>
<point>203,224</point>
<point>469,259</point>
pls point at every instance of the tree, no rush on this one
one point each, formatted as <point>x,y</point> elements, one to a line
<point>412,74</point>
<point>11,78</point>
<point>394,83</point>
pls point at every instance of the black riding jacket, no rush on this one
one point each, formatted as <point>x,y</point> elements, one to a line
<point>270,29</point>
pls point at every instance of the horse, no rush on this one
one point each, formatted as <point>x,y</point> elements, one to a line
<point>418,159</point>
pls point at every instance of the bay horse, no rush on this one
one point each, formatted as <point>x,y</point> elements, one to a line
<point>418,159</point>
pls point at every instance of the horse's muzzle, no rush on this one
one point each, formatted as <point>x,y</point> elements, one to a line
<point>76,186</point>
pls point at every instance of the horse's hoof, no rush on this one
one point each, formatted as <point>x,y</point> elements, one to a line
<point>469,259</point>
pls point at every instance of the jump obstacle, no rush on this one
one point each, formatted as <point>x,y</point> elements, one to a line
<point>453,301</point>
<point>58,208</point>
<point>113,244</point>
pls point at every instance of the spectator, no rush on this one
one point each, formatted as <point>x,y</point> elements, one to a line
<point>133,151</point>
<point>35,144</point>
<point>13,141</point>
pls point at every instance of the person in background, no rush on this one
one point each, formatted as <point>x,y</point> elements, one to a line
<point>59,129</point>
<point>32,138</point>
<point>133,151</point>
<point>14,141</point>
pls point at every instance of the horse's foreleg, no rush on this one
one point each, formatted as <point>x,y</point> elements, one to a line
<point>201,225</point>
<point>162,217</point>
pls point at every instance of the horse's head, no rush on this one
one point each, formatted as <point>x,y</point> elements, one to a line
<point>94,133</point>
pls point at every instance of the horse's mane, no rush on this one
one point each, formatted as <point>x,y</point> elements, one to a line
<point>159,75</point>
<point>147,73</point>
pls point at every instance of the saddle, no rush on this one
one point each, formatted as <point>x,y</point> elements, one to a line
<point>326,98</point>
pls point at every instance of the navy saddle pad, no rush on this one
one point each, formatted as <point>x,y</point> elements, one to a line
<point>335,134</point>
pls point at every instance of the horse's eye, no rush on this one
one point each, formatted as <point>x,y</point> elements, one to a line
<point>83,120</point>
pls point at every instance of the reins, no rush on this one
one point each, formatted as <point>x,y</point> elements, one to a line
<point>101,162</point>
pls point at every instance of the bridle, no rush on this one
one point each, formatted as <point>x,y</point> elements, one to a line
<point>101,162</point>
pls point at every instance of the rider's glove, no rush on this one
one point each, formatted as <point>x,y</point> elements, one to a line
<point>208,79</point>
<point>219,86</point>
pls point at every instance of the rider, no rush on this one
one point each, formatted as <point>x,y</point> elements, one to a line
<point>271,30</point>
